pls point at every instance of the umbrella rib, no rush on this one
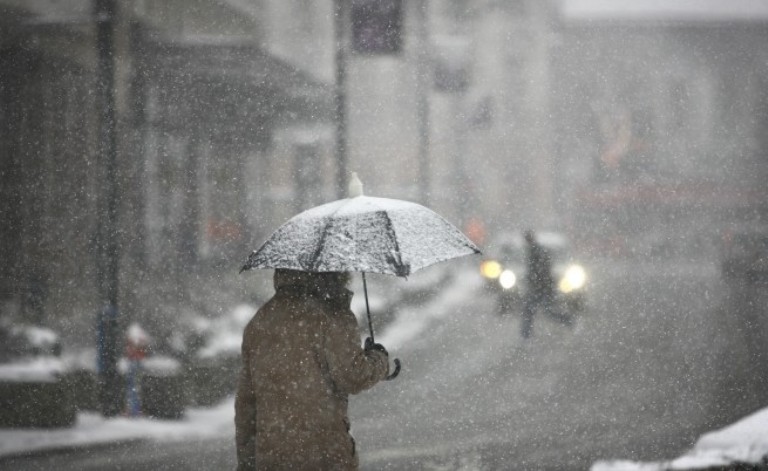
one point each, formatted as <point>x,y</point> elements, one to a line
<point>391,229</point>
<point>321,243</point>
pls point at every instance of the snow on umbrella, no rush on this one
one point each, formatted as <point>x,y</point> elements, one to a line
<point>362,234</point>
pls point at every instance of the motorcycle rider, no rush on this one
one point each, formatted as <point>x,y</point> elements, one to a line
<point>541,286</point>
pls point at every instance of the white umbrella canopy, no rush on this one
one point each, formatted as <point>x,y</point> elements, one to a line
<point>363,234</point>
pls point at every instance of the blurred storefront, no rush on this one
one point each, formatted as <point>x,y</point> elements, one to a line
<point>501,115</point>
<point>196,111</point>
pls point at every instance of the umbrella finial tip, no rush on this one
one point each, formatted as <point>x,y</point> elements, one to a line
<point>355,186</point>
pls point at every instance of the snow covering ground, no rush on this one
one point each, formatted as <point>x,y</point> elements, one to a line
<point>746,441</point>
<point>93,429</point>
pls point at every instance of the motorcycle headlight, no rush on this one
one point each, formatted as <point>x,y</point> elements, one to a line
<point>490,269</point>
<point>573,279</point>
<point>507,279</point>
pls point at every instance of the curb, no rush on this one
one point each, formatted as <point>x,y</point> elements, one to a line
<point>61,449</point>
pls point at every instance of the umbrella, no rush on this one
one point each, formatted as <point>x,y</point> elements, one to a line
<point>363,234</point>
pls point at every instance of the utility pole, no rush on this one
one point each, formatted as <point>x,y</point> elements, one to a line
<point>104,13</point>
<point>340,27</point>
<point>423,80</point>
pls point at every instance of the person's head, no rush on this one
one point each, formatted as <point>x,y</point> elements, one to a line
<point>530,237</point>
<point>325,282</point>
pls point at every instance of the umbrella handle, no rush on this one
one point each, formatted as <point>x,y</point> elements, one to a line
<point>394,374</point>
<point>370,330</point>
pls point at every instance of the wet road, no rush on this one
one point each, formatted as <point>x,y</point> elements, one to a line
<point>660,357</point>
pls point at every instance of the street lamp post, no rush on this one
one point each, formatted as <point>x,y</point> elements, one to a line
<point>422,97</point>
<point>104,12</point>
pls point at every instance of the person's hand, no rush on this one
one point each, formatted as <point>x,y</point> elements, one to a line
<point>369,345</point>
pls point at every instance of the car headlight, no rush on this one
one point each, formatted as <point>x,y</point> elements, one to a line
<point>507,279</point>
<point>573,279</point>
<point>490,269</point>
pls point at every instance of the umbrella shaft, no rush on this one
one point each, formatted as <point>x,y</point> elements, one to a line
<point>367,308</point>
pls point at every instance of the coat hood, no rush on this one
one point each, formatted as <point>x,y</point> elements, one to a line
<point>325,285</point>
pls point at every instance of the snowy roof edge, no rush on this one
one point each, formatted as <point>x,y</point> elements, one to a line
<point>702,11</point>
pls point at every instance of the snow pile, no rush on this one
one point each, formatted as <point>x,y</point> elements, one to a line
<point>29,354</point>
<point>40,337</point>
<point>92,428</point>
<point>44,369</point>
<point>155,365</point>
<point>745,441</point>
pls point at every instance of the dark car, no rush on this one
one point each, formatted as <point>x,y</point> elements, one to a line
<point>504,271</point>
<point>744,255</point>
<point>34,381</point>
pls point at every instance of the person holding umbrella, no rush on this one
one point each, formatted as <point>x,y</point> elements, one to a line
<point>301,351</point>
<point>301,360</point>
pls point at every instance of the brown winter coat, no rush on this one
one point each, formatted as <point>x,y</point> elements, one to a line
<point>301,359</point>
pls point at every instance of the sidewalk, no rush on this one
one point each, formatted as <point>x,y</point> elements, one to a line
<point>92,429</point>
<point>746,441</point>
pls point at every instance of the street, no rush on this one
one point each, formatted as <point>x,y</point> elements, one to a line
<point>658,358</point>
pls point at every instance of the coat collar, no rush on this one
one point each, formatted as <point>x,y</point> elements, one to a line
<point>329,287</point>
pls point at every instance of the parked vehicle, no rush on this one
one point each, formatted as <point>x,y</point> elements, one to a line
<point>504,271</point>
<point>34,382</point>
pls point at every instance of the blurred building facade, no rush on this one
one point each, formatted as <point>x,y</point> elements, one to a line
<point>517,113</point>
<point>199,103</point>
<point>660,125</point>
